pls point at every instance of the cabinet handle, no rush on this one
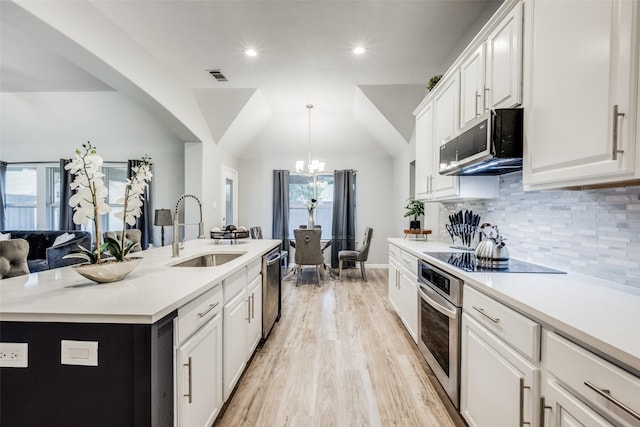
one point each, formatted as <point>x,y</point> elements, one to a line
<point>253,304</point>
<point>522,388</point>
<point>249,309</point>
<point>484,101</point>
<point>543,408</point>
<point>211,307</point>
<point>607,395</point>
<point>481,311</point>
<point>616,115</point>
<point>476,103</point>
<point>189,395</point>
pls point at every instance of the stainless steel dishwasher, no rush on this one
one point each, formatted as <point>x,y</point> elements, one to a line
<point>270,291</point>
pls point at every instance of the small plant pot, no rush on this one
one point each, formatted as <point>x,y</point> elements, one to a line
<point>414,225</point>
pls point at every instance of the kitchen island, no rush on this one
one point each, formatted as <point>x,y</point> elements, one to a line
<point>132,322</point>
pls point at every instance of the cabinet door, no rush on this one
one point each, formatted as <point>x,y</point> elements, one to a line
<point>445,125</point>
<point>563,409</point>
<point>424,144</point>
<point>577,80</point>
<point>472,86</point>
<point>236,316</point>
<point>503,83</point>
<point>498,387</point>
<point>394,285</point>
<point>409,303</point>
<point>254,332</point>
<point>199,376</point>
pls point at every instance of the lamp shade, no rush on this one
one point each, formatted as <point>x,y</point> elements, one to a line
<point>163,217</point>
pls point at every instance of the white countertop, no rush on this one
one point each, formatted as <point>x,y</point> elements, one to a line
<point>601,315</point>
<point>153,290</point>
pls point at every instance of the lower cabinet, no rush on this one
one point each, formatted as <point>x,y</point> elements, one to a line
<point>563,409</point>
<point>499,387</point>
<point>394,284</point>
<point>409,303</point>
<point>403,294</point>
<point>236,316</point>
<point>254,299</point>
<point>198,389</point>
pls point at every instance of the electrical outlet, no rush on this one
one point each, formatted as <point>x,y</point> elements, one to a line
<point>14,355</point>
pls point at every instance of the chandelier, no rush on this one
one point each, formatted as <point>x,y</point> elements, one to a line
<point>313,166</point>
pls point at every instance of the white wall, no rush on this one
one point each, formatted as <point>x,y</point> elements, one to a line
<point>375,190</point>
<point>37,126</point>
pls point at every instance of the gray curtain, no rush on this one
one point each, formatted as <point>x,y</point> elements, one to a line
<point>144,222</point>
<point>65,221</point>
<point>3,195</point>
<point>280,221</point>
<point>344,215</point>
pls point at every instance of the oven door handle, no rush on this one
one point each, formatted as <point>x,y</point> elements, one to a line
<point>436,301</point>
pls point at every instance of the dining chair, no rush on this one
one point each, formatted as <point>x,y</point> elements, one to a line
<point>360,255</point>
<point>13,258</point>
<point>256,233</point>
<point>308,251</point>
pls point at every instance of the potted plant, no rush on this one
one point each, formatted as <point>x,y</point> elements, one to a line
<point>88,203</point>
<point>433,81</point>
<point>414,208</point>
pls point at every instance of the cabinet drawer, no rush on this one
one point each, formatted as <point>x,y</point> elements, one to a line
<point>394,252</point>
<point>254,269</point>
<point>585,373</point>
<point>519,331</point>
<point>196,313</point>
<point>410,263</point>
<point>234,284</point>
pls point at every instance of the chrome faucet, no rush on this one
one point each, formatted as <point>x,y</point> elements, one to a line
<point>175,246</point>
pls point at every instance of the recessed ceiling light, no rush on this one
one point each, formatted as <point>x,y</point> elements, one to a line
<point>359,50</point>
<point>251,52</point>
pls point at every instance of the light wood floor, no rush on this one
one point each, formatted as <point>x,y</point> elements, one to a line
<point>339,356</point>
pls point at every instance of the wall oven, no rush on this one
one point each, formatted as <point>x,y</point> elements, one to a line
<point>439,317</point>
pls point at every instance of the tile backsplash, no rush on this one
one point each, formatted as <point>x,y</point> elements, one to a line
<point>594,232</point>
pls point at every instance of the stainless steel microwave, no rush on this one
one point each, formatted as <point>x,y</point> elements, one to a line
<point>489,145</point>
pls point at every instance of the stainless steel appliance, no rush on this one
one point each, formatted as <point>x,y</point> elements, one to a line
<point>271,303</point>
<point>439,316</point>
<point>468,261</point>
<point>489,145</point>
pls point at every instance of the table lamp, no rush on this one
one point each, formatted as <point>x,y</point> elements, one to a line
<point>163,217</point>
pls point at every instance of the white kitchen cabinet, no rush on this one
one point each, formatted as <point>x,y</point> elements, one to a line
<point>409,304</point>
<point>254,298</point>
<point>198,369</point>
<point>236,316</point>
<point>472,75</point>
<point>499,388</point>
<point>563,409</point>
<point>394,283</point>
<point>503,81</point>
<point>199,376</point>
<point>580,93</point>
<point>604,390</point>
<point>430,185</point>
<point>424,152</point>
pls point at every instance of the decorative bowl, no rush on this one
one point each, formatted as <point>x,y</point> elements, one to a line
<point>109,270</point>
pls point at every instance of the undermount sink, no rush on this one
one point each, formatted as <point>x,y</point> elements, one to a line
<point>209,260</point>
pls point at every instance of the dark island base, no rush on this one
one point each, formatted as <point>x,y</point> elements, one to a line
<point>131,386</point>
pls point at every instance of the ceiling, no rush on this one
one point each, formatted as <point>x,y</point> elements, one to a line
<point>304,56</point>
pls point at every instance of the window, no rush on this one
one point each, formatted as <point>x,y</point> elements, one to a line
<point>304,188</point>
<point>30,209</point>
<point>22,200</point>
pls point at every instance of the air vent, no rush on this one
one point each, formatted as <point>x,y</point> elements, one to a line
<point>217,74</point>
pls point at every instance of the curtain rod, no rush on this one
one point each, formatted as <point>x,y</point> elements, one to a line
<point>57,162</point>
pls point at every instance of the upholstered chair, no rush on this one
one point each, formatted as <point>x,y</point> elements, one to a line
<point>132,235</point>
<point>13,258</point>
<point>308,251</point>
<point>360,255</point>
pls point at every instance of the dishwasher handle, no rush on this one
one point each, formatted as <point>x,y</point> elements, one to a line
<point>273,258</point>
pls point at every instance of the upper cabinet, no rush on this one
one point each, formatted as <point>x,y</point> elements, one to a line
<point>491,71</point>
<point>581,93</point>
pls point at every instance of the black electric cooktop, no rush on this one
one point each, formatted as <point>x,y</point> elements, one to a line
<point>467,261</point>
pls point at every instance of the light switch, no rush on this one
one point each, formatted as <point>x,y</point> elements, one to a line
<point>83,353</point>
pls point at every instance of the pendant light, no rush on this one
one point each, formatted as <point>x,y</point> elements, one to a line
<point>313,166</point>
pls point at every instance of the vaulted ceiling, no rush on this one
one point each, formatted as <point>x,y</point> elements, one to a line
<point>363,103</point>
